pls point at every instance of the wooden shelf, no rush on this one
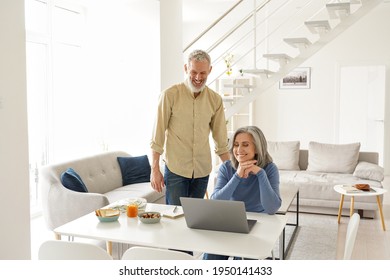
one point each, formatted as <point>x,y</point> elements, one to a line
<point>231,90</point>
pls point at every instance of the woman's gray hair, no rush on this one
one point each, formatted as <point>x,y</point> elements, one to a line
<point>199,55</point>
<point>261,151</point>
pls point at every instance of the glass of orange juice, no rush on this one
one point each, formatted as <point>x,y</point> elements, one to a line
<point>132,210</point>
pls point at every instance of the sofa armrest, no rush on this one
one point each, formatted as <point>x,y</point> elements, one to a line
<point>370,171</point>
<point>62,205</point>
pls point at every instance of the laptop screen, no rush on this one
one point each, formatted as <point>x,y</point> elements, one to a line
<point>219,215</point>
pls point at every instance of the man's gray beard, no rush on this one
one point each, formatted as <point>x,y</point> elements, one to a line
<point>194,89</point>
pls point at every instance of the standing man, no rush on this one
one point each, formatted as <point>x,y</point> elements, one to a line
<point>187,113</point>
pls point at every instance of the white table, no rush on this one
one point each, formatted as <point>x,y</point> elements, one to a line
<point>174,234</point>
<point>377,192</point>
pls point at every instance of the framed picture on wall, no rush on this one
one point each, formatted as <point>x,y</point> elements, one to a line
<point>299,78</point>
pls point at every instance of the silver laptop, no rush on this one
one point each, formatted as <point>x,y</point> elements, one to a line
<point>220,215</point>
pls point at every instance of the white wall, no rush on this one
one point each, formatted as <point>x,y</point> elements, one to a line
<point>311,114</point>
<point>171,43</point>
<point>14,190</point>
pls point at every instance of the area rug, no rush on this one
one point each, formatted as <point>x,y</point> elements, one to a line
<point>316,238</point>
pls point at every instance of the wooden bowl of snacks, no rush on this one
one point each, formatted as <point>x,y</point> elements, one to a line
<point>149,217</point>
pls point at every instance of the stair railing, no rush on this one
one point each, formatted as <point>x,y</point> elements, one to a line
<point>212,25</point>
<point>252,31</point>
<point>271,40</point>
<point>225,36</point>
<point>241,23</point>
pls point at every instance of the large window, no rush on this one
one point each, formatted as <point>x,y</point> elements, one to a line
<point>53,50</point>
<point>93,79</point>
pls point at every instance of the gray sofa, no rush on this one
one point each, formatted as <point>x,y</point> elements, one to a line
<point>319,168</point>
<point>101,175</point>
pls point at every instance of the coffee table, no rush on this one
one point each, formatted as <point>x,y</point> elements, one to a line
<point>174,234</point>
<point>288,195</point>
<point>376,192</point>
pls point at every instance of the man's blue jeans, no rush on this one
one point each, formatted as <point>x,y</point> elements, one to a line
<point>178,186</point>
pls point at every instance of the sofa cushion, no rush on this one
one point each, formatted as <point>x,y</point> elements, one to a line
<point>71,180</point>
<point>334,158</point>
<point>143,190</point>
<point>319,186</point>
<point>134,169</point>
<point>370,171</point>
<point>285,154</point>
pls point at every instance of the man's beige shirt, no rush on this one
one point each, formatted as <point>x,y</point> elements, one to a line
<point>183,123</point>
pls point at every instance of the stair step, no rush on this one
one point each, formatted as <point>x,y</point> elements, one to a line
<point>318,26</point>
<point>277,56</point>
<point>301,43</point>
<point>282,58</point>
<point>257,71</point>
<point>263,73</point>
<point>338,10</point>
<point>239,86</point>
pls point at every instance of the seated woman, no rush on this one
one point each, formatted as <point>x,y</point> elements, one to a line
<point>250,176</point>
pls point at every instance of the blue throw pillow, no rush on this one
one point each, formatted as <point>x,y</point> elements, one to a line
<point>71,180</point>
<point>134,169</point>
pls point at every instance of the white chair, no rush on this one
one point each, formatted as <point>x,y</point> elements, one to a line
<point>66,250</point>
<point>350,238</point>
<point>148,253</point>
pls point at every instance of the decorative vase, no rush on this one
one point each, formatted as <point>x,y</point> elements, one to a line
<point>229,71</point>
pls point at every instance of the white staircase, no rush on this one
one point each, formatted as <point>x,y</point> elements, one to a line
<point>281,58</point>
<point>300,43</point>
<point>318,26</point>
<point>338,18</point>
<point>338,10</point>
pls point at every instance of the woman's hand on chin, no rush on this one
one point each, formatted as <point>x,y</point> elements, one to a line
<point>246,168</point>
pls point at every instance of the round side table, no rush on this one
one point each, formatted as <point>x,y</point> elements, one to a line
<point>376,192</point>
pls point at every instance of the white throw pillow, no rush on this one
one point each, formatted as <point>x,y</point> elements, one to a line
<point>285,154</point>
<point>370,171</point>
<point>333,158</point>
